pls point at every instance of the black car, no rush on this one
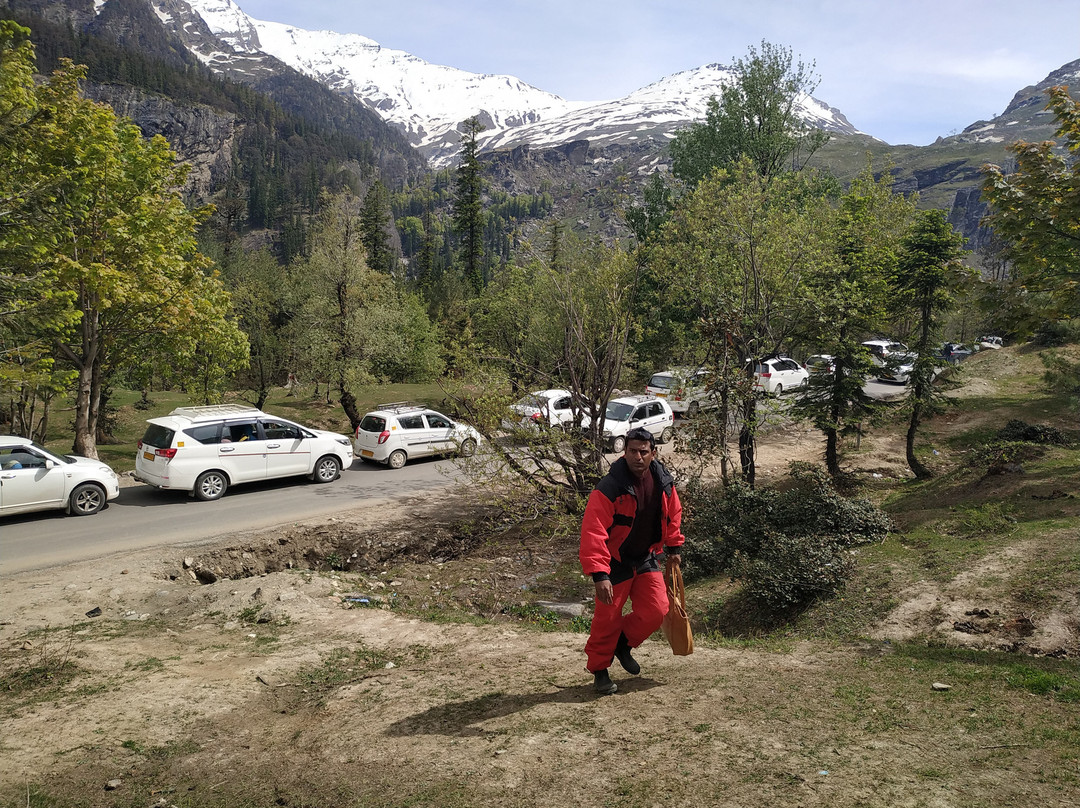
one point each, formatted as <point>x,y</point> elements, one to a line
<point>954,352</point>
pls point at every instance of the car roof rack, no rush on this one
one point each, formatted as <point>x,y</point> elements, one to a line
<point>216,410</point>
<point>400,406</point>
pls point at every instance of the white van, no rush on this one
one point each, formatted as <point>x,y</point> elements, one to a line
<point>205,450</point>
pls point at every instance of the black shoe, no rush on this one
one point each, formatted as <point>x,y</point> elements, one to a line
<point>603,684</point>
<point>622,653</point>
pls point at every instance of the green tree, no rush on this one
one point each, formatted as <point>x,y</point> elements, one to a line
<point>354,325</point>
<point>926,278</point>
<point>1036,209</point>
<point>127,251</point>
<point>575,301</point>
<point>739,250</point>
<point>756,116</point>
<point>33,307</point>
<point>469,208</point>
<point>376,225</point>
<point>848,299</point>
<point>259,288</point>
<point>116,243</point>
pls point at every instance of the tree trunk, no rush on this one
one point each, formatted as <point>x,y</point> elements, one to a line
<point>921,471</point>
<point>832,451</point>
<point>85,413</point>
<point>348,403</point>
<point>747,441</point>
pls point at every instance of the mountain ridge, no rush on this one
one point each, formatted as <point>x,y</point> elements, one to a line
<point>429,102</point>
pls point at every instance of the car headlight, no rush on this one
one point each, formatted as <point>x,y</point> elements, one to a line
<point>342,441</point>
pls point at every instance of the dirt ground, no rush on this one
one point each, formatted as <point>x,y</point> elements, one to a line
<point>275,668</point>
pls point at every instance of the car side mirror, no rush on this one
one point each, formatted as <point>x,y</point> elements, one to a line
<point>49,464</point>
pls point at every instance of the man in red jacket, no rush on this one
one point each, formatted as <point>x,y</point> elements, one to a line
<point>632,515</point>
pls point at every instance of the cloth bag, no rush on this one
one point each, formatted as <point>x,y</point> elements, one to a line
<point>676,625</point>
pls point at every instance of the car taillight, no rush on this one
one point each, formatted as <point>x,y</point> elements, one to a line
<point>679,394</point>
<point>766,375</point>
<point>383,437</point>
<point>168,454</point>
<point>535,416</point>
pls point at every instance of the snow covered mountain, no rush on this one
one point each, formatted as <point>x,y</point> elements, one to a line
<point>428,102</point>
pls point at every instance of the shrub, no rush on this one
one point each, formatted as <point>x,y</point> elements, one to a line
<point>1000,456</point>
<point>1017,430</point>
<point>787,547</point>
<point>1055,333</point>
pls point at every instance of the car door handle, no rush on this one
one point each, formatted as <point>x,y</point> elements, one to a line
<point>227,449</point>
<point>7,477</point>
<point>273,446</point>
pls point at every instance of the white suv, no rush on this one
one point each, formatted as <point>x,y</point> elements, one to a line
<point>395,433</point>
<point>684,389</point>
<point>206,449</point>
<point>630,412</point>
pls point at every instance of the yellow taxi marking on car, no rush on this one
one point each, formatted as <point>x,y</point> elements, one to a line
<point>367,453</point>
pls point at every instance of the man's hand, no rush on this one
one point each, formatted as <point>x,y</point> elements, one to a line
<point>674,559</point>
<point>604,593</point>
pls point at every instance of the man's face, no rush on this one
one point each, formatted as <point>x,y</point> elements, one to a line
<point>638,454</point>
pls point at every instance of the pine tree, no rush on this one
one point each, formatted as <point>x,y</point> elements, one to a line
<point>469,209</point>
<point>375,228</point>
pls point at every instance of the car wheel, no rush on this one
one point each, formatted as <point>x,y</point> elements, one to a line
<point>778,390</point>
<point>210,485</point>
<point>468,448</point>
<point>618,445</point>
<point>667,435</point>
<point>396,459</point>
<point>86,499</point>
<point>693,409</point>
<point>326,470</point>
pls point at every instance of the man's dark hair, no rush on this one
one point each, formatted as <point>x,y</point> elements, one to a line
<point>641,433</point>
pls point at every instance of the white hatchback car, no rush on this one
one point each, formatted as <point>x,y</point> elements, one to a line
<point>34,479</point>
<point>205,450</point>
<point>684,389</point>
<point>396,433</point>
<point>545,408</point>
<point>630,412</point>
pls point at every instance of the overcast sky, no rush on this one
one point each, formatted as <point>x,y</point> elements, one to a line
<point>905,71</point>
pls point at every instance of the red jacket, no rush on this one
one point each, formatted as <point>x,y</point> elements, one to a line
<point>609,517</point>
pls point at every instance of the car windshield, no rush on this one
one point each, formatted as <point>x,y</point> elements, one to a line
<point>18,450</point>
<point>618,411</point>
<point>661,381</point>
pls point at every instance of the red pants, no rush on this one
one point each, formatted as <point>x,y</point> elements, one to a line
<point>648,605</point>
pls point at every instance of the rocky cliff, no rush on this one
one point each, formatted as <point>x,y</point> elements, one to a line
<point>202,137</point>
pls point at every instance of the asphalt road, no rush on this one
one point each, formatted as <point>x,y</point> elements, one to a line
<point>143,516</point>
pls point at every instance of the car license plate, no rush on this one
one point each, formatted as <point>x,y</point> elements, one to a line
<point>661,395</point>
<point>148,455</point>
<point>367,453</point>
